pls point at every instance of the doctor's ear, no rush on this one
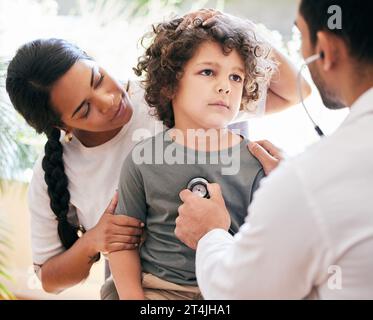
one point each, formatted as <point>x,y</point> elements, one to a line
<point>330,48</point>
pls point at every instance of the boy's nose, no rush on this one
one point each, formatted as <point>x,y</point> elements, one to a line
<point>221,90</point>
<point>223,87</point>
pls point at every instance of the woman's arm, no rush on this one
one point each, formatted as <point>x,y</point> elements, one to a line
<point>68,268</point>
<point>112,233</point>
<point>126,269</point>
<point>282,92</point>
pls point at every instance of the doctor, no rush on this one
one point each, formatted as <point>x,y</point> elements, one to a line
<point>309,233</point>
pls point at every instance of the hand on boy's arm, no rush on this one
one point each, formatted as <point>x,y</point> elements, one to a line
<point>114,232</point>
<point>198,216</point>
<point>268,154</point>
<point>126,269</point>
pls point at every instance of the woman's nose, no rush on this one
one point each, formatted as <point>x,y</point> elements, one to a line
<point>103,102</point>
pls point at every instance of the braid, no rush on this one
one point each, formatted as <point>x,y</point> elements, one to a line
<point>31,75</point>
<point>57,183</point>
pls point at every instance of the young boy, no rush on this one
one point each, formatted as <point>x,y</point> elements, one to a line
<point>196,81</point>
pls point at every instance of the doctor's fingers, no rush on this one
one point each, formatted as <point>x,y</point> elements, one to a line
<point>188,209</point>
<point>268,162</point>
<point>182,210</point>
<point>186,195</point>
<point>215,192</point>
<point>271,148</point>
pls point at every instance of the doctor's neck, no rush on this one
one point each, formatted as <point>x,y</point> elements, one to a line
<point>354,81</point>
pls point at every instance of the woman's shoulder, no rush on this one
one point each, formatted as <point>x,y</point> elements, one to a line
<point>37,171</point>
<point>149,143</point>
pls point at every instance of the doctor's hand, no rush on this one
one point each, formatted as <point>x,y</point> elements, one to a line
<point>198,216</point>
<point>268,155</point>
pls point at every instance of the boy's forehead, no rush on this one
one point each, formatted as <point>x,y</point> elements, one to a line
<point>210,51</point>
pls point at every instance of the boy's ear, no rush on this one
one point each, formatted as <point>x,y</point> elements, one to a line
<point>169,92</point>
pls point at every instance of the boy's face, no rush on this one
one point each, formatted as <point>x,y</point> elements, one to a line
<point>210,90</point>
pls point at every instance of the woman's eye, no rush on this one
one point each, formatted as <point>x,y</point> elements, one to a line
<point>99,81</point>
<point>236,78</point>
<point>207,72</point>
<point>88,109</point>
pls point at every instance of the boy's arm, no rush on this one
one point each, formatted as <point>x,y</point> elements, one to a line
<point>126,269</point>
<point>125,265</point>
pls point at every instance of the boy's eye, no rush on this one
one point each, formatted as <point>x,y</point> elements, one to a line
<point>236,77</point>
<point>207,72</point>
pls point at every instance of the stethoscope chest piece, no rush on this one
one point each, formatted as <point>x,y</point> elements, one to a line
<point>199,187</point>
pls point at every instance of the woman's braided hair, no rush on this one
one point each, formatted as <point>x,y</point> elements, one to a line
<point>31,74</point>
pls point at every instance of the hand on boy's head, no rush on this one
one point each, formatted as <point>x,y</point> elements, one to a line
<point>229,21</point>
<point>197,18</point>
<point>198,216</point>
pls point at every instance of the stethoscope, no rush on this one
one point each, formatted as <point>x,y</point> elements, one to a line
<point>199,187</point>
<point>299,80</point>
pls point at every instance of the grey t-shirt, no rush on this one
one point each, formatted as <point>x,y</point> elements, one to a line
<point>149,187</point>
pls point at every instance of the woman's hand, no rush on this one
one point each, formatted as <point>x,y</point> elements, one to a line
<point>115,232</point>
<point>197,18</point>
<point>268,155</point>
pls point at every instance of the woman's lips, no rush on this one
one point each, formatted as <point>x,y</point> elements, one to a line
<point>121,109</point>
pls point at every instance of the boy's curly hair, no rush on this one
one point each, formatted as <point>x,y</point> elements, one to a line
<point>169,51</point>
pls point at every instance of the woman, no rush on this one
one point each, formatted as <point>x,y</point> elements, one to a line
<point>56,87</point>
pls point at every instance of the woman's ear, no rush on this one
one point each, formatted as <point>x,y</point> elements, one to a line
<point>66,129</point>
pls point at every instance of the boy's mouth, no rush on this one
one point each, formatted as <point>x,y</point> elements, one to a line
<point>219,103</point>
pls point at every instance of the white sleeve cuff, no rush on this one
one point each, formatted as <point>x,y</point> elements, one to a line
<point>213,236</point>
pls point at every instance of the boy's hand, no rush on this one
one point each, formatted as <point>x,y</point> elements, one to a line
<point>197,18</point>
<point>198,216</point>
